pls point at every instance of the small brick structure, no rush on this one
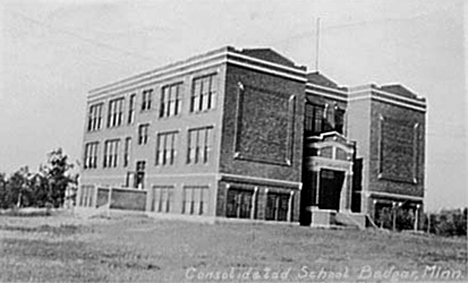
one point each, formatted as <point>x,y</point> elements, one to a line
<point>113,198</point>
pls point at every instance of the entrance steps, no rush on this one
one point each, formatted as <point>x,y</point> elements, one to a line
<point>333,219</point>
<point>349,219</point>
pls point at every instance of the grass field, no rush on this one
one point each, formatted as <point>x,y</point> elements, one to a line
<point>65,248</point>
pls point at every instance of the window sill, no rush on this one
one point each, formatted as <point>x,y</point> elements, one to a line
<point>169,117</point>
<point>202,111</point>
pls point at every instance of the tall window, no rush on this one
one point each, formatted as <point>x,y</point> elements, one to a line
<point>277,206</point>
<point>115,114</point>
<point>95,117</point>
<point>166,148</point>
<point>318,118</point>
<point>163,198</point>
<point>127,151</point>
<point>239,203</point>
<point>170,100</point>
<point>143,134</point>
<point>339,119</point>
<point>328,123</point>
<point>87,193</point>
<point>309,118</point>
<point>90,156</point>
<point>315,115</point>
<point>314,118</point>
<point>195,200</point>
<point>146,99</point>
<point>203,93</point>
<point>199,145</point>
<point>111,153</point>
<point>131,108</point>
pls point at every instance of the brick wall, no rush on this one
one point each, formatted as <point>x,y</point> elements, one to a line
<point>381,183</point>
<point>128,199</point>
<point>263,132</point>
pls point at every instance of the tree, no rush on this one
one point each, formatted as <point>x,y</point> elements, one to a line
<point>447,222</point>
<point>18,189</point>
<point>385,217</point>
<point>4,193</point>
<point>58,178</point>
<point>43,189</point>
<point>404,219</point>
<point>40,187</point>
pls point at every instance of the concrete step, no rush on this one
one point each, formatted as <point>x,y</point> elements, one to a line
<point>349,219</point>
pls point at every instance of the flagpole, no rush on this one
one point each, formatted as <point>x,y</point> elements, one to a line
<point>317,45</point>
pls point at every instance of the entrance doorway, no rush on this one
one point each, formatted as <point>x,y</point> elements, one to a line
<point>331,182</point>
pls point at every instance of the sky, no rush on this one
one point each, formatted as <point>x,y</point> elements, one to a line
<point>53,52</point>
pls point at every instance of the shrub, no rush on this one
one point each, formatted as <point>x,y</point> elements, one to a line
<point>447,222</point>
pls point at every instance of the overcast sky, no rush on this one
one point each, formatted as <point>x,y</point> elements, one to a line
<point>53,52</point>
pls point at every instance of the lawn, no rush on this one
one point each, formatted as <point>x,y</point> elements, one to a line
<point>65,248</point>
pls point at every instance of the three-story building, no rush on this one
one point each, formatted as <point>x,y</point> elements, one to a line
<point>250,134</point>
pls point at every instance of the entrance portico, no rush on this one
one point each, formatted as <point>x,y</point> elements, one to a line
<point>328,169</point>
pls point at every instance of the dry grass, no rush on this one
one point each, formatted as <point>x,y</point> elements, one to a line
<point>67,249</point>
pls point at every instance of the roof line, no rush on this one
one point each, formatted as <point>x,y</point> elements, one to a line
<point>167,66</point>
<point>224,51</point>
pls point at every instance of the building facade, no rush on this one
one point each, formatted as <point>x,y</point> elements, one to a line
<point>250,134</point>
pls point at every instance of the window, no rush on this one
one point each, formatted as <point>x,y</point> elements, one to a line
<point>309,117</point>
<point>87,193</point>
<point>140,174</point>
<point>239,203</point>
<point>163,198</point>
<point>328,123</point>
<point>111,153</point>
<point>165,148</point>
<point>95,117</point>
<point>199,145</point>
<point>143,134</point>
<point>339,119</point>
<point>140,166</point>
<point>131,109</point>
<point>318,118</point>
<point>203,93</point>
<point>277,206</point>
<point>383,214</point>
<point>115,114</point>
<point>195,200</point>
<point>90,156</point>
<point>170,100</point>
<point>146,99</point>
<point>314,118</point>
<point>127,150</point>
